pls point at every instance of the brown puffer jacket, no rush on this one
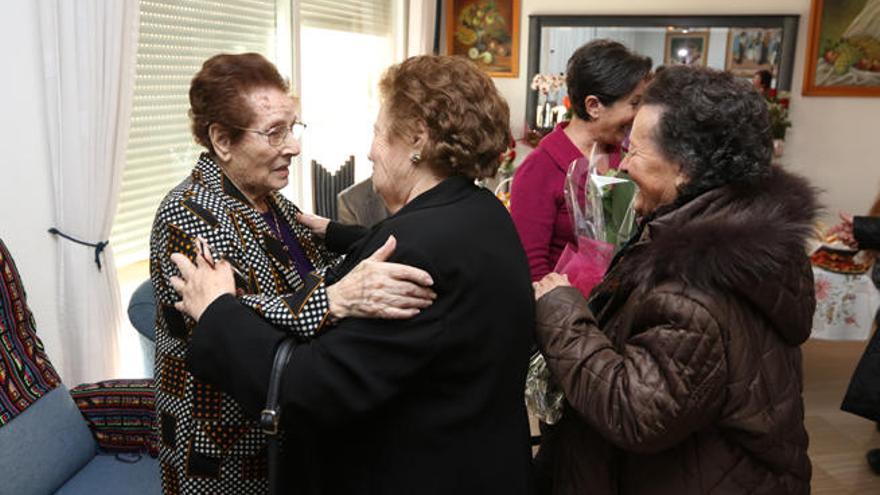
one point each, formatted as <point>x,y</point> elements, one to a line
<point>689,378</point>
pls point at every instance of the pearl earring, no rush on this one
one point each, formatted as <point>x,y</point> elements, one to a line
<point>415,158</point>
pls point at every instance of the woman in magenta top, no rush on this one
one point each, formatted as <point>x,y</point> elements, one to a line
<point>605,84</point>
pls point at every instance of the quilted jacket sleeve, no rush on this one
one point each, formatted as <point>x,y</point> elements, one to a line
<point>665,383</point>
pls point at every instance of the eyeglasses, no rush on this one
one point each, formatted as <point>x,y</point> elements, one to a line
<point>278,134</point>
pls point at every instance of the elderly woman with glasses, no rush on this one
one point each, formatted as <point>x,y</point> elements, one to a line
<point>682,374</point>
<point>432,404</point>
<point>244,116</point>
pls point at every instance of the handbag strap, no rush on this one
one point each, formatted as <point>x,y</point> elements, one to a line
<point>271,414</point>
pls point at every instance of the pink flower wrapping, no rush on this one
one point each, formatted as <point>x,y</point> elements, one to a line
<point>586,265</point>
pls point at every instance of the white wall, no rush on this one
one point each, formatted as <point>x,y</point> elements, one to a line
<point>26,206</point>
<point>832,141</point>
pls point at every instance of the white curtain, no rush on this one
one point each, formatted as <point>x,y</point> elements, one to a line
<point>420,28</point>
<point>89,49</point>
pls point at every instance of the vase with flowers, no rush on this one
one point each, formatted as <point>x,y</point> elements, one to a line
<point>549,111</point>
<point>777,105</point>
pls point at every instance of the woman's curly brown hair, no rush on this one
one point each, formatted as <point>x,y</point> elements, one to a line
<point>218,93</point>
<point>715,126</point>
<point>464,115</point>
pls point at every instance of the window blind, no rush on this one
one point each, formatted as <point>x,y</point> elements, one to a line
<point>175,37</point>
<point>358,16</point>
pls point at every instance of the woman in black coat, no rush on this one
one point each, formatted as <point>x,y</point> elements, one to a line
<point>863,395</point>
<point>433,404</point>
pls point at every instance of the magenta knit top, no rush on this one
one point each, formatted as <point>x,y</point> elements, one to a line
<point>537,201</point>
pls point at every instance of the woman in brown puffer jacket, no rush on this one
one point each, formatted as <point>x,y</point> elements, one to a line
<point>683,374</point>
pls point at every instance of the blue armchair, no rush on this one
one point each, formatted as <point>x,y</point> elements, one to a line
<point>46,445</point>
<point>142,315</point>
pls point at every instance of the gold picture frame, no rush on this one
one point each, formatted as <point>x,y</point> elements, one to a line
<point>686,48</point>
<point>750,50</point>
<point>485,32</point>
<point>842,28</point>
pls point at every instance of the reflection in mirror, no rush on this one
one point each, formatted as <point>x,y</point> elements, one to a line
<point>743,51</point>
<point>757,48</point>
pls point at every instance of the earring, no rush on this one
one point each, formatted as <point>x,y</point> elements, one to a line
<point>415,157</point>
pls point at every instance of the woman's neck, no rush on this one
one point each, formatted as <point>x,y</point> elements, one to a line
<point>260,201</point>
<point>421,183</point>
<point>582,134</point>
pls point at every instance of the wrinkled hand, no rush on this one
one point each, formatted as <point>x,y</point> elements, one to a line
<point>315,223</point>
<point>378,289</point>
<point>844,231</point>
<point>548,283</point>
<point>199,284</point>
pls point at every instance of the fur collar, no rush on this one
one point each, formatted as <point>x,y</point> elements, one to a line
<point>747,240</point>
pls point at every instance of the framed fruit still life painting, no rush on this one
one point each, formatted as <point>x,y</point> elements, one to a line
<point>485,32</point>
<point>843,57</point>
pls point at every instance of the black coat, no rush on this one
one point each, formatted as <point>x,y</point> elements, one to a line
<point>863,395</point>
<point>430,405</point>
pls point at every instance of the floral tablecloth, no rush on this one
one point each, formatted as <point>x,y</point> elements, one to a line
<point>845,305</point>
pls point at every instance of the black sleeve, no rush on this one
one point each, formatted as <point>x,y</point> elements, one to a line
<point>341,237</point>
<point>866,230</point>
<point>352,369</point>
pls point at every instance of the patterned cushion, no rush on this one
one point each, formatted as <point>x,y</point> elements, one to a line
<point>25,372</point>
<point>121,414</point>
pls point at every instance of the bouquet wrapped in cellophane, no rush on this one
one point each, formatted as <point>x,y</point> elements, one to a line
<point>600,201</point>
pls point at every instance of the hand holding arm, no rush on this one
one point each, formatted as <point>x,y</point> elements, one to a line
<point>201,283</point>
<point>316,224</point>
<point>551,281</point>
<point>378,289</point>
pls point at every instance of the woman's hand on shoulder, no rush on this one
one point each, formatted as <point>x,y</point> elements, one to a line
<point>376,288</point>
<point>316,224</point>
<point>548,283</point>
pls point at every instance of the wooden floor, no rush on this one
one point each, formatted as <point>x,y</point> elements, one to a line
<point>838,440</point>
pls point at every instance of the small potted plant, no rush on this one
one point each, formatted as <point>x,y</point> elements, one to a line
<point>549,88</point>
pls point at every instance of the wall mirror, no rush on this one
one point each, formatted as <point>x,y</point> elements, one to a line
<point>743,45</point>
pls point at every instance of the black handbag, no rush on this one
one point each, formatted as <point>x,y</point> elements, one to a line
<point>271,414</point>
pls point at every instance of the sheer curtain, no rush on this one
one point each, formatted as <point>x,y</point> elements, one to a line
<point>89,49</point>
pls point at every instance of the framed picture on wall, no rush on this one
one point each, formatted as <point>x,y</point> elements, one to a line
<point>750,50</point>
<point>843,54</point>
<point>686,48</point>
<point>485,32</point>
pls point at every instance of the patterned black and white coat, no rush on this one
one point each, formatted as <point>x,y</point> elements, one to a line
<point>208,444</point>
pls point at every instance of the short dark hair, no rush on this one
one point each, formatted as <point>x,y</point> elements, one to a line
<point>714,125</point>
<point>605,69</point>
<point>766,78</point>
<point>218,93</point>
<point>466,118</point>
